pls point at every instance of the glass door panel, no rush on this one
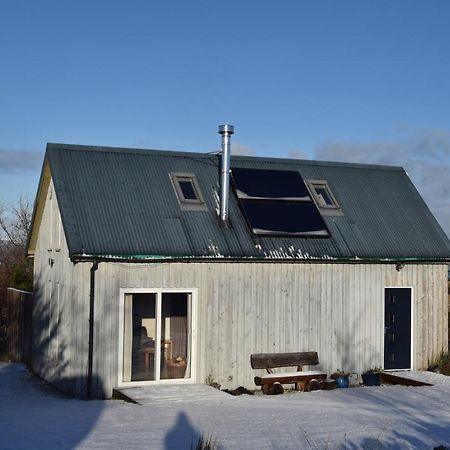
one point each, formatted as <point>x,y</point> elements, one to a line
<point>175,335</point>
<point>157,339</point>
<point>140,331</point>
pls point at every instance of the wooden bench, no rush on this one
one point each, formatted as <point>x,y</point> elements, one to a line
<point>271,383</point>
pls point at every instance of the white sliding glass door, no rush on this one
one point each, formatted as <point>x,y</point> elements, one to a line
<point>157,336</point>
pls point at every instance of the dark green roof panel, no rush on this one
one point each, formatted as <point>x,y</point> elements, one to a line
<point>116,201</point>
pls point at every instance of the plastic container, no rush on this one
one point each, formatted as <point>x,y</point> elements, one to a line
<point>371,379</point>
<point>342,382</point>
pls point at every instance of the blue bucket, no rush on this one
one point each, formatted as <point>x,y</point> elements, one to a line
<point>342,382</point>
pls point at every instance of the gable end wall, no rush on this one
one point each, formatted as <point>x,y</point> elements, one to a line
<point>61,307</point>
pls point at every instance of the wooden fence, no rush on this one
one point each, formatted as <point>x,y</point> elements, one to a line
<point>19,325</point>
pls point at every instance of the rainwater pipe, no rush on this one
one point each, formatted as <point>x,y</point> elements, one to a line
<point>91,329</point>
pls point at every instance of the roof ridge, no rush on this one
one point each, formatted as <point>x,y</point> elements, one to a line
<point>314,162</point>
<point>189,154</point>
<point>123,150</point>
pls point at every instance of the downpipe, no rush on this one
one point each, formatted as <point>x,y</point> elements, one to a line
<point>91,329</point>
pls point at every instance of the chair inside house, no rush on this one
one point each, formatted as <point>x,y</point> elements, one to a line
<point>146,350</point>
<point>146,341</point>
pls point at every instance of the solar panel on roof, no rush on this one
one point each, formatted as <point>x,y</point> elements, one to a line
<point>293,218</point>
<point>270,184</point>
<point>277,202</point>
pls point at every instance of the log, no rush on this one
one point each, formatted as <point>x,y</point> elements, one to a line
<point>273,389</point>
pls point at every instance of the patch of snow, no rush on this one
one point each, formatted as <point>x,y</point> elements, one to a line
<point>175,393</point>
<point>303,372</point>
<point>214,250</point>
<point>426,377</point>
<point>173,417</point>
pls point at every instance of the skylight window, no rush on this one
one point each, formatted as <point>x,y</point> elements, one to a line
<point>324,197</point>
<point>188,192</point>
<point>187,189</point>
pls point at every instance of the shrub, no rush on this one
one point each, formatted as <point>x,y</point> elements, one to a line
<point>206,443</point>
<point>210,381</point>
<point>441,364</point>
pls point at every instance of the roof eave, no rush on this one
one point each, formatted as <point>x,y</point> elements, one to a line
<point>249,259</point>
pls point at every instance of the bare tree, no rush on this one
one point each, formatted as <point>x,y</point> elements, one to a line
<point>14,226</point>
<point>15,268</point>
<point>15,223</point>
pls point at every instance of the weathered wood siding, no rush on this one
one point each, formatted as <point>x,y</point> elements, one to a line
<point>243,308</point>
<point>335,309</point>
<point>61,307</point>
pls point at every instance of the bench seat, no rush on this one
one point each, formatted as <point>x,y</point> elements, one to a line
<point>293,374</point>
<point>301,378</point>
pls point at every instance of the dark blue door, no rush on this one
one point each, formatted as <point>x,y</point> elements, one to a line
<point>397,328</point>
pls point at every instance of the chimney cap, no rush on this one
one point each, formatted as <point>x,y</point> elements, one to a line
<point>226,129</point>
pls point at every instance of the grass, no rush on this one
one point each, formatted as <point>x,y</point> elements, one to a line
<point>210,381</point>
<point>442,364</point>
<point>206,443</point>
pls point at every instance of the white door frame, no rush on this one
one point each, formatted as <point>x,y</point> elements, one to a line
<point>411,288</point>
<point>193,324</point>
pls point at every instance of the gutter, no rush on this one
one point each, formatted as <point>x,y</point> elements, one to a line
<point>76,258</point>
<point>94,268</point>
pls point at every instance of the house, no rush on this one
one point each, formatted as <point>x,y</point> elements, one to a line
<point>155,267</point>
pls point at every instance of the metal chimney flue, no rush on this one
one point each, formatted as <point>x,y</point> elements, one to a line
<point>226,131</point>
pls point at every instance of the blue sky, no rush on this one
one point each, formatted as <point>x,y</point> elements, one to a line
<point>363,81</point>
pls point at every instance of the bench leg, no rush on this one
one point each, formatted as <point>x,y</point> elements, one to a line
<point>272,389</point>
<point>313,385</point>
<point>277,388</point>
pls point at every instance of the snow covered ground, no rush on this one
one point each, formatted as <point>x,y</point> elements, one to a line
<point>32,416</point>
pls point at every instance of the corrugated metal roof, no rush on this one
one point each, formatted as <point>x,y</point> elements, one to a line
<point>120,202</point>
